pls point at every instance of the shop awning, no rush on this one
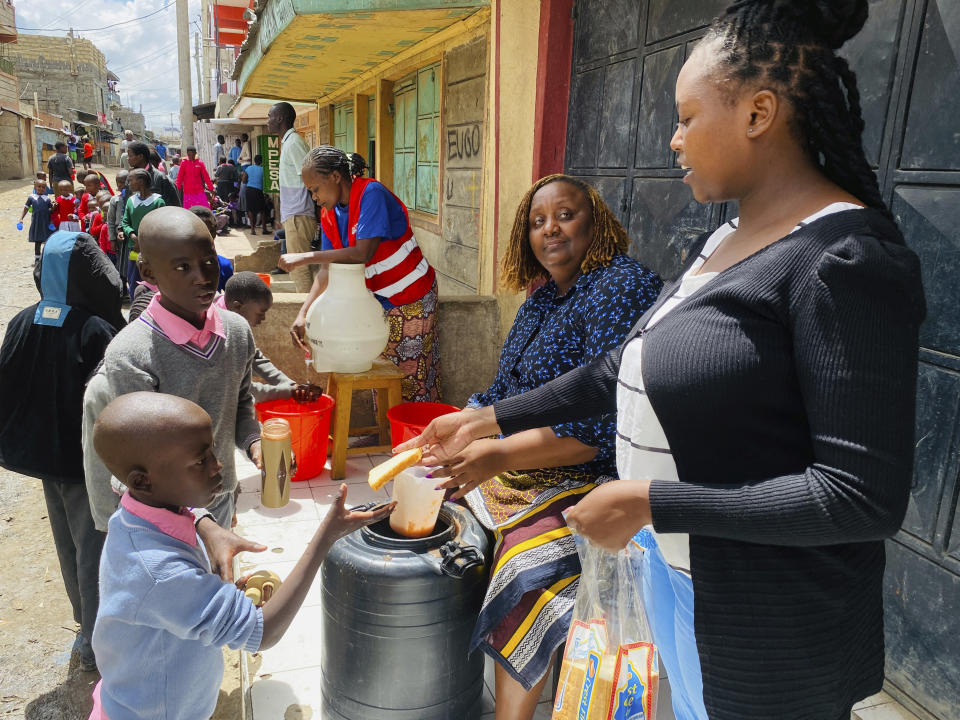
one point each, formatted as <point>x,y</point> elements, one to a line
<point>204,111</point>
<point>230,25</point>
<point>305,49</point>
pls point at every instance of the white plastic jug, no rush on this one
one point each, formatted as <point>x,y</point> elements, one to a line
<point>418,503</point>
<point>346,327</point>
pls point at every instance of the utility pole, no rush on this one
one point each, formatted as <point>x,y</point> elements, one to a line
<point>196,44</point>
<point>183,66</point>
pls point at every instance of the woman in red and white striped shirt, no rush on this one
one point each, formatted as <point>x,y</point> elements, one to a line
<point>361,221</point>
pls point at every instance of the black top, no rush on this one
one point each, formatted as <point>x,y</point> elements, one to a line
<point>786,390</point>
<point>161,184</point>
<point>44,368</point>
<point>59,166</point>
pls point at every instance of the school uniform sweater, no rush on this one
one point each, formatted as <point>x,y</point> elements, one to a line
<point>162,619</point>
<point>136,209</point>
<point>786,391</point>
<point>217,378</point>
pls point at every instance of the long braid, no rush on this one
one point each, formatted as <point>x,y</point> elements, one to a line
<point>791,46</point>
<point>520,267</point>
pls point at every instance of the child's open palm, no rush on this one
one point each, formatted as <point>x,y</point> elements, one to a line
<point>340,521</point>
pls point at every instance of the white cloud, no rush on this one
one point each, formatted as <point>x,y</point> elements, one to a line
<point>142,54</point>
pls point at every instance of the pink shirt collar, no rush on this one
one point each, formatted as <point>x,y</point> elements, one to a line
<point>180,331</point>
<point>221,301</point>
<point>178,525</point>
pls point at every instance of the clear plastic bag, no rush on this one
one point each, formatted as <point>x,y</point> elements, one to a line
<point>610,668</point>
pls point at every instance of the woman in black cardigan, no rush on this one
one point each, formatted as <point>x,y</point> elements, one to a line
<point>784,384</point>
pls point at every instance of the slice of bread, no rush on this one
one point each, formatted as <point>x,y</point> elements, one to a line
<point>385,471</point>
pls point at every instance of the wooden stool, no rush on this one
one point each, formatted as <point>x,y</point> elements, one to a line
<point>384,375</point>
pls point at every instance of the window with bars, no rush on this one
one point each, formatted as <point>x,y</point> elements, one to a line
<point>416,131</point>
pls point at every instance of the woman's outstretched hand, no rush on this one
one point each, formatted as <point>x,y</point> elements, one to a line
<point>611,514</point>
<point>445,438</point>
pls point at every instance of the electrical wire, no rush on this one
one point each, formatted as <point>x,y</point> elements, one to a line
<point>105,27</point>
<point>140,61</point>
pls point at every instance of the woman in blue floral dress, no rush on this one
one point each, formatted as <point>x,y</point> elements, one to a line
<point>518,486</point>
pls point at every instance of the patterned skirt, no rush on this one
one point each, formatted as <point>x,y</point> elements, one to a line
<point>535,568</point>
<point>413,347</point>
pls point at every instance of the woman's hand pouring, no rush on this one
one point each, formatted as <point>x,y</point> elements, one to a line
<point>445,438</point>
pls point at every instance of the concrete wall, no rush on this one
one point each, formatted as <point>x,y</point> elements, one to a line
<point>16,147</point>
<point>465,326</point>
<point>508,167</point>
<point>64,72</point>
<point>9,94</point>
<point>463,116</point>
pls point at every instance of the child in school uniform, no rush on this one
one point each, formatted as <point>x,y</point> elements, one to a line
<point>183,346</point>
<point>118,203</point>
<point>140,200</point>
<point>163,614</point>
<point>67,213</point>
<point>41,207</point>
<point>103,230</point>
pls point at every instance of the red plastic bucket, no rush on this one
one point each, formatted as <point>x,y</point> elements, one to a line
<point>309,430</point>
<point>407,420</point>
<point>265,277</point>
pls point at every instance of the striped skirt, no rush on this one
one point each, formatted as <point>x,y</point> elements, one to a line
<point>535,570</point>
<point>413,347</point>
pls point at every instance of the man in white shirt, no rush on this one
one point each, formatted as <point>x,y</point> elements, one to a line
<point>219,150</point>
<point>297,210</point>
<point>127,139</point>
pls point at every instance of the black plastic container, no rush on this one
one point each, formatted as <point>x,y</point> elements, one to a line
<point>397,619</point>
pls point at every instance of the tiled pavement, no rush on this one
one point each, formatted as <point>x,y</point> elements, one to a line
<point>284,682</point>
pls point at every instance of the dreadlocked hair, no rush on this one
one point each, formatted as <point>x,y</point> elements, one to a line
<point>520,266</point>
<point>790,46</point>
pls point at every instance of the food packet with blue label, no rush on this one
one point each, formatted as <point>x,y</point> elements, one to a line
<point>610,668</point>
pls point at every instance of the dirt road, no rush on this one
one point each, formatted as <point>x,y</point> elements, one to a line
<point>38,678</point>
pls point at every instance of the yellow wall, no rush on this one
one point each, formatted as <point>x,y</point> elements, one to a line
<point>519,20</point>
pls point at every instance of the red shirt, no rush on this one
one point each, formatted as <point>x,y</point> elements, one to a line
<point>103,239</point>
<point>66,205</point>
<point>85,206</point>
<point>87,150</point>
<point>92,223</point>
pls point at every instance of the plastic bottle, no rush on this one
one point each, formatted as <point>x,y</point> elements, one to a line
<point>277,469</point>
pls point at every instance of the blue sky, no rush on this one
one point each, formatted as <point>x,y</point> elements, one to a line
<point>143,54</point>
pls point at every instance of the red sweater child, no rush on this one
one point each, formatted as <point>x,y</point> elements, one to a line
<point>65,205</point>
<point>104,239</point>
<point>92,223</point>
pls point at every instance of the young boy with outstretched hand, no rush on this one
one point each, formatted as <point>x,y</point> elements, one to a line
<point>163,614</point>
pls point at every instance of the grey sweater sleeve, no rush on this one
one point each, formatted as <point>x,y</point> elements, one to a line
<point>275,384</point>
<point>103,500</point>
<point>248,429</point>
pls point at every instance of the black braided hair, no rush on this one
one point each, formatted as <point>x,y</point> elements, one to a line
<point>790,46</point>
<point>325,159</point>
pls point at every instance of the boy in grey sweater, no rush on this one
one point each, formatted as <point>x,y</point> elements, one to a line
<point>181,345</point>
